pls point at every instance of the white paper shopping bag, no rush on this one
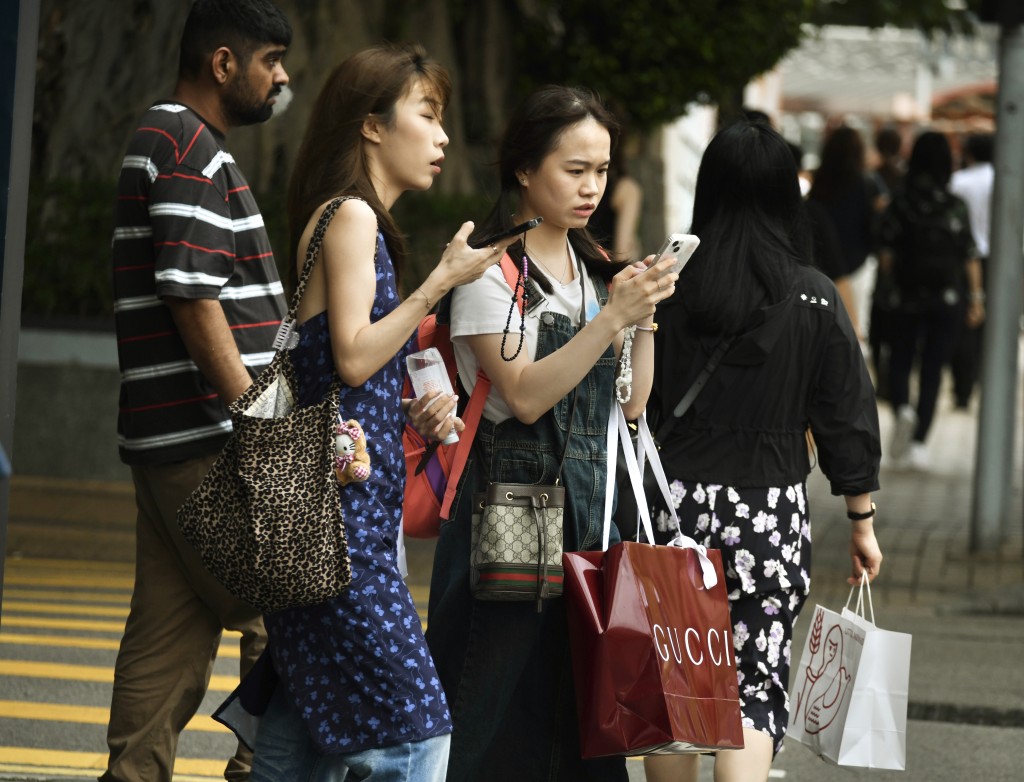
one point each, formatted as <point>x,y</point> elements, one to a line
<point>849,696</point>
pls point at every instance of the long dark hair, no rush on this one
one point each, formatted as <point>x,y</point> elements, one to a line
<point>931,161</point>
<point>331,161</point>
<point>843,162</point>
<point>533,131</point>
<point>748,214</point>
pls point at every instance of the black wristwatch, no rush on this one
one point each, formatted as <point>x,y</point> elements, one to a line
<point>854,516</point>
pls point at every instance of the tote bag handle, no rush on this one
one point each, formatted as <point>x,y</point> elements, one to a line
<point>645,450</point>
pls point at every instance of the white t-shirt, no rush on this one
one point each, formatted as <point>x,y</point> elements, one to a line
<point>974,185</point>
<point>482,306</point>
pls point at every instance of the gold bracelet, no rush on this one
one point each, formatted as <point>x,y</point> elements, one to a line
<point>652,328</point>
<point>426,298</point>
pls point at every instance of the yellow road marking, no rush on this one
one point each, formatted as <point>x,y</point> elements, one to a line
<point>69,596</point>
<point>72,764</point>
<point>64,565</point>
<point>87,715</point>
<point>64,580</point>
<point>25,606</point>
<point>227,649</point>
<point>88,673</point>
<point>63,624</point>
<point>67,641</point>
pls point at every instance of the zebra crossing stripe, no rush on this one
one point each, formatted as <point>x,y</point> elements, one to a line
<point>87,715</point>
<point>228,650</point>
<point>84,765</point>
<point>88,673</point>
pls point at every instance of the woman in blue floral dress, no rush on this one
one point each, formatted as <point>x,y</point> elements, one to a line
<point>348,689</point>
<point>738,458</point>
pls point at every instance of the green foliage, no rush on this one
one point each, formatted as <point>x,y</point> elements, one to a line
<point>651,60</point>
<point>272,204</point>
<point>67,252</point>
<point>429,221</point>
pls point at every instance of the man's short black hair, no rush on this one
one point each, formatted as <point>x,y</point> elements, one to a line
<point>241,25</point>
<point>979,147</point>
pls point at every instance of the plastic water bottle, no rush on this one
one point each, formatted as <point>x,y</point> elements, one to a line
<point>427,372</point>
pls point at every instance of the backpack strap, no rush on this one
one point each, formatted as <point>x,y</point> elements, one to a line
<point>475,406</point>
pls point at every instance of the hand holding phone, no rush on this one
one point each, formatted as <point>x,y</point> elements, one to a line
<point>519,229</point>
<point>680,246</point>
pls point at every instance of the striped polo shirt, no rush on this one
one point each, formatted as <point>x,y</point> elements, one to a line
<point>186,225</point>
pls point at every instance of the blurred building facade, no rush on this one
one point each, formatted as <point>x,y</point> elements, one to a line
<point>855,76</point>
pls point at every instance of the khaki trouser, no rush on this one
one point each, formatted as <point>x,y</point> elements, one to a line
<point>171,637</point>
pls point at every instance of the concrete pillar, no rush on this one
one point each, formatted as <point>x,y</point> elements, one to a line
<point>997,428</point>
<point>19,33</point>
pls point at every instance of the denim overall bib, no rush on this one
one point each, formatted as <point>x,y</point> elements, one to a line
<point>504,666</point>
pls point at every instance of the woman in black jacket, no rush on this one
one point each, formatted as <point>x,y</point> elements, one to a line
<point>738,459</point>
<point>929,257</point>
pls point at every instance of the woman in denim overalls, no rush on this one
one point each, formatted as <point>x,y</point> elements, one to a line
<point>505,665</point>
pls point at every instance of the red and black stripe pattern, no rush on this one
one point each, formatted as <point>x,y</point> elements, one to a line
<point>187,226</point>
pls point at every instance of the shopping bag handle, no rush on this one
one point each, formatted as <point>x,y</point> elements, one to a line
<point>619,430</point>
<point>860,589</point>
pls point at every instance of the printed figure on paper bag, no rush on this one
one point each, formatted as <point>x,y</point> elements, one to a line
<point>827,678</point>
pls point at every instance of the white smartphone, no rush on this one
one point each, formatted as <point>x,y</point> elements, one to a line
<point>679,245</point>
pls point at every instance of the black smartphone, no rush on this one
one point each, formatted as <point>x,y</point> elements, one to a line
<point>519,229</point>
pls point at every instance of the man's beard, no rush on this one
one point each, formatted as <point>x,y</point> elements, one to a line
<point>244,107</point>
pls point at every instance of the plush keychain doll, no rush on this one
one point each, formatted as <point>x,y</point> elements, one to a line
<point>352,462</point>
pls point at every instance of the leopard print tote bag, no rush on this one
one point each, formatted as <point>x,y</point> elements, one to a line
<point>267,519</point>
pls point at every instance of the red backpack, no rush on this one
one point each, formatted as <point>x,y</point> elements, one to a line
<point>433,471</point>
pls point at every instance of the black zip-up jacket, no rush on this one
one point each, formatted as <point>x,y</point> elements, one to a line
<point>798,366</point>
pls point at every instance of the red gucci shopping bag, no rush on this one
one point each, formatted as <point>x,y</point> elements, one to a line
<point>652,651</point>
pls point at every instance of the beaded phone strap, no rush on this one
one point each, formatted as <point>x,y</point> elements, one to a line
<point>521,282</point>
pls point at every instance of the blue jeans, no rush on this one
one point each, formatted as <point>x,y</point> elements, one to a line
<point>286,753</point>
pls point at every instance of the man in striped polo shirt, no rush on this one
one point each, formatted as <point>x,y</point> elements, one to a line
<point>197,302</point>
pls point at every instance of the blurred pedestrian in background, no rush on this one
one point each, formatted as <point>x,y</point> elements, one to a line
<point>891,166</point>
<point>927,248</point>
<point>842,185</point>
<point>827,254</point>
<point>890,171</point>
<point>615,224</point>
<point>973,184</point>
<point>738,459</point>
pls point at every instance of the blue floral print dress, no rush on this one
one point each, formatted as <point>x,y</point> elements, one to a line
<point>357,667</point>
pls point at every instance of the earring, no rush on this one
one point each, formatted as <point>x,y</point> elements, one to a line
<point>522,181</point>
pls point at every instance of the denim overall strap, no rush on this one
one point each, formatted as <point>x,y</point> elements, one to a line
<point>529,453</point>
